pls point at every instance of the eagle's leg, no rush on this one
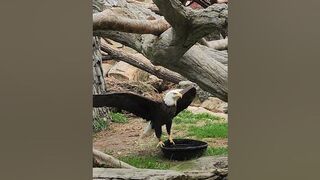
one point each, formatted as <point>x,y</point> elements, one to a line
<point>161,144</point>
<point>158,131</point>
<point>148,131</point>
<point>168,127</point>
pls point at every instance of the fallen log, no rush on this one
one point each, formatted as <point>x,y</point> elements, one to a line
<point>143,63</point>
<point>214,174</point>
<point>137,174</point>
<point>154,174</point>
<point>109,160</point>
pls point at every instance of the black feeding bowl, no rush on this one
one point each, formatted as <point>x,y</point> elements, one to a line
<point>183,149</point>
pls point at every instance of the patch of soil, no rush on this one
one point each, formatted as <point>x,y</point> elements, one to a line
<point>123,139</point>
<point>216,142</point>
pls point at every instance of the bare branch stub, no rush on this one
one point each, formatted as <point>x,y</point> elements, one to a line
<point>207,20</point>
<point>174,12</point>
<point>179,16</point>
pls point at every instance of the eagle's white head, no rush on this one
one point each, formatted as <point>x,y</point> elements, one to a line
<point>172,97</point>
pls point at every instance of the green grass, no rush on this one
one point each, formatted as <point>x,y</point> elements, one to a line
<point>154,162</point>
<point>118,117</point>
<point>99,124</point>
<point>147,162</point>
<point>180,127</point>
<point>216,130</point>
<point>212,151</point>
<point>186,121</point>
<point>188,117</point>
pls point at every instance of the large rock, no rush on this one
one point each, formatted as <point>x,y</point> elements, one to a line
<point>214,104</point>
<point>106,67</point>
<point>126,72</point>
<point>197,110</point>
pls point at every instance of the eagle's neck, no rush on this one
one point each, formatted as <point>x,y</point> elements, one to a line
<point>170,101</point>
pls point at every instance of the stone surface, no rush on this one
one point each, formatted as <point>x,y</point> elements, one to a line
<point>124,71</point>
<point>106,67</point>
<point>214,104</point>
<point>197,110</point>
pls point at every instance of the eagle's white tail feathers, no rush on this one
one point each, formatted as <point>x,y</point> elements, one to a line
<point>148,131</point>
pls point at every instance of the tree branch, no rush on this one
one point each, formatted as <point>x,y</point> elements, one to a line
<point>107,20</point>
<point>207,20</point>
<point>188,27</point>
<point>142,63</point>
<point>174,12</point>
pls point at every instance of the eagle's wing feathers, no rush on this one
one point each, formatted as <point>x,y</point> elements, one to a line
<point>139,105</point>
<point>188,94</point>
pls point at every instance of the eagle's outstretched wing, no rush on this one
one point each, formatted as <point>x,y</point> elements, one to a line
<point>138,105</point>
<point>188,94</point>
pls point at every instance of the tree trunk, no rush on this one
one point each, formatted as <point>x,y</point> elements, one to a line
<point>99,85</point>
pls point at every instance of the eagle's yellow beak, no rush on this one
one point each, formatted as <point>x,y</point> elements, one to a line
<point>179,95</point>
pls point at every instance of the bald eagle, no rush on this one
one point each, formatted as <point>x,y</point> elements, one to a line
<point>159,113</point>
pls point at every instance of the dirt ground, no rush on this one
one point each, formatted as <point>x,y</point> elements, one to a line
<point>123,139</point>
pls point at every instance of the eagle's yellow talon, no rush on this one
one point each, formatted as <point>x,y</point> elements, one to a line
<point>161,144</point>
<point>171,140</point>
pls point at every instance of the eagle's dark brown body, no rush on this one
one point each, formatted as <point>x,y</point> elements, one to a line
<point>163,117</point>
<point>155,111</point>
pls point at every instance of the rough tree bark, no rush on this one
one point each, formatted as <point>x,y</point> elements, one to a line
<point>174,49</point>
<point>99,85</point>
